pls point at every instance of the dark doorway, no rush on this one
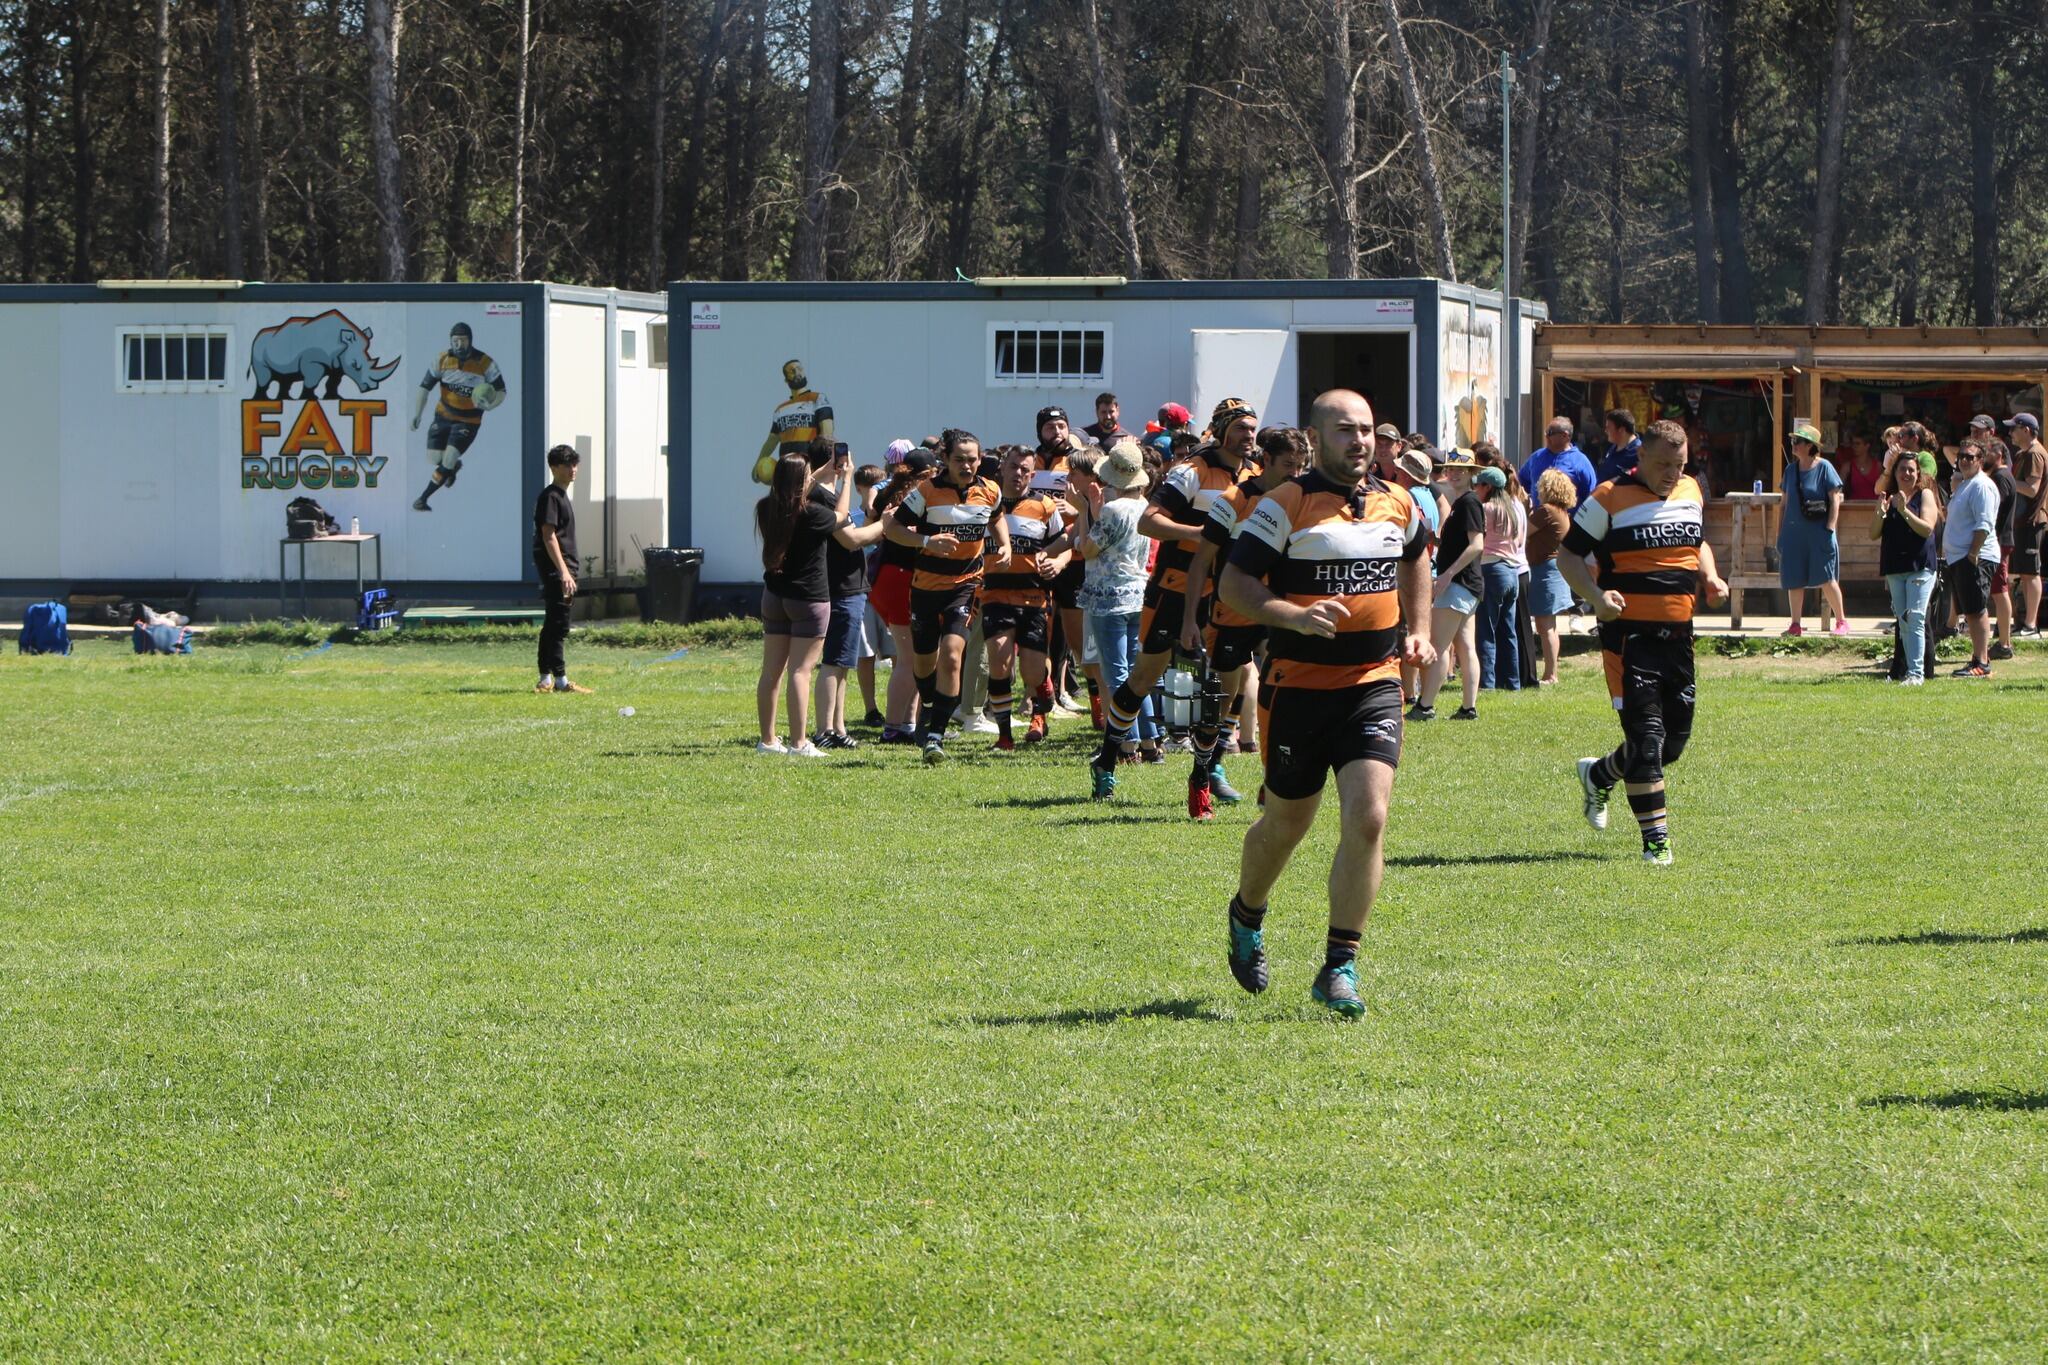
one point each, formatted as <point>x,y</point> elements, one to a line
<point>1373,363</point>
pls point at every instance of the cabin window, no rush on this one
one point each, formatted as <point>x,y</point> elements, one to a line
<point>172,358</point>
<point>1048,355</point>
<point>629,346</point>
<point>657,344</point>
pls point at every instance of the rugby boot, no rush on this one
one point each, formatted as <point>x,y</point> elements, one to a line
<point>1336,989</point>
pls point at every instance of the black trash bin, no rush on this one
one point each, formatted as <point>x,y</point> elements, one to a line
<point>671,593</point>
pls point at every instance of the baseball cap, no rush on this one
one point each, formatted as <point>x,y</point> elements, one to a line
<point>921,461</point>
<point>1175,415</point>
<point>2027,420</point>
<point>1493,478</point>
<point>1389,431</point>
<point>1985,420</point>
<point>899,448</point>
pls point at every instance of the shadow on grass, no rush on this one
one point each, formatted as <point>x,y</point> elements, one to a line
<point>1554,855</point>
<point>1191,1011</point>
<point>1998,1101</point>
<point>1942,938</point>
<point>1032,802</point>
<point>1121,817</point>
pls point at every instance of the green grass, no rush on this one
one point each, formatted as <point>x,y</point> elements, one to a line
<point>363,1004</point>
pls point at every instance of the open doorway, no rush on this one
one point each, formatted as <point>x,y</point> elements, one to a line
<point>1376,364</point>
<point>1730,426</point>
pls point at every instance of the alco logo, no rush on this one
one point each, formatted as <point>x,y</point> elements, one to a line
<point>311,453</point>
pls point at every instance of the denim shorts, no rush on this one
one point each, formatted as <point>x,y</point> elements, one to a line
<point>843,631</point>
<point>1458,598</point>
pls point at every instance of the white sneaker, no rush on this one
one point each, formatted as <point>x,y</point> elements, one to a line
<point>1912,682</point>
<point>778,747</point>
<point>982,725</point>
<point>1596,797</point>
<point>805,750</point>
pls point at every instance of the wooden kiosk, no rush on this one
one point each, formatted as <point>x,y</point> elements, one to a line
<point>1738,391</point>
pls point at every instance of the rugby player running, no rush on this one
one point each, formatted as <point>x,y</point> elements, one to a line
<point>949,520</point>
<point>1231,640</point>
<point>1016,601</point>
<point>1174,517</point>
<point>1333,564</point>
<point>1647,531</point>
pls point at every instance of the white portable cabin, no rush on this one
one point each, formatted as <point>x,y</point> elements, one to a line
<point>910,359</point>
<point>142,450</point>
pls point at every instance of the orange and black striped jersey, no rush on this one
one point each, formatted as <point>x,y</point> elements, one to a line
<point>797,419</point>
<point>1231,506</point>
<point>1033,521</point>
<point>936,507</point>
<point>459,381</point>
<point>1315,540</point>
<point>1049,480</point>
<point>1185,495</point>
<point>1647,547</point>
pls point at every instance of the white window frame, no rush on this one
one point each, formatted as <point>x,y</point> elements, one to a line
<point>629,345</point>
<point>181,330</point>
<point>1044,381</point>
<point>654,325</point>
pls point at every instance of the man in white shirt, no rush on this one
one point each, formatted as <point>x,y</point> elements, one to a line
<point>1969,552</point>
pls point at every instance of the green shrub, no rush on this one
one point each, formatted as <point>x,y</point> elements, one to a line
<point>720,633</point>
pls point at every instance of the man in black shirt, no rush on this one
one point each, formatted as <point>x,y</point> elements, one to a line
<point>1107,428</point>
<point>554,554</point>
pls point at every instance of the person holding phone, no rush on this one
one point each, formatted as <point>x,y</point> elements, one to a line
<point>1904,527</point>
<point>846,580</point>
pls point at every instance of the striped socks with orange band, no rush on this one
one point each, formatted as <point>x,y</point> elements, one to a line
<point>1119,724</point>
<point>999,704</point>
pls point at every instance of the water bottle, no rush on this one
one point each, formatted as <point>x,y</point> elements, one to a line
<point>355,526</point>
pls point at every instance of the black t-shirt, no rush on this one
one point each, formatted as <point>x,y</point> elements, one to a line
<point>2008,504</point>
<point>1467,519</point>
<point>1104,436</point>
<point>554,508</point>
<point>802,576</point>
<point>846,571</point>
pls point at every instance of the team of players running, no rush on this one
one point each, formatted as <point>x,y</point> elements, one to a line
<point>1324,565</point>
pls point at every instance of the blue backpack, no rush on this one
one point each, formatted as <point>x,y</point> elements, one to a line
<point>46,629</point>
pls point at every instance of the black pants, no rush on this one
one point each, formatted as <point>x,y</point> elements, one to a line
<point>554,630</point>
<point>1650,676</point>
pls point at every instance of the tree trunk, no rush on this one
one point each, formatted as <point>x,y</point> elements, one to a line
<point>1827,206</point>
<point>1250,189</point>
<point>1059,149</point>
<point>258,162</point>
<point>1190,89</point>
<point>1725,164</point>
<point>1980,102</point>
<point>746,148</point>
<point>34,47</point>
<point>455,208</point>
<point>521,82</point>
<point>807,255</point>
<point>1699,123</point>
<point>657,150</point>
<point>1425,151</point>
<point>1340,143</point>
<point>228,147</point>
<point>909,91</point>
<point>79,62</point>
<point>383,21</point>
<point>160,146</point>
<point>1529,81</point>
<point>691,178</point>
<point>960,237</point>
<point>1543,228</point>
<point>1616,180</point>
<point>1126,223</point>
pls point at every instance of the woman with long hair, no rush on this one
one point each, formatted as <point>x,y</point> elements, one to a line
<point>796,598</point>
<point>890,597</point>
<point>1502,563</point>
<point>1549,595</point>
<point>1904,529</point>
<point>1456,594</point>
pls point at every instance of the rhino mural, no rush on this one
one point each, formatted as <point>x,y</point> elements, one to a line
<point>311,349</point>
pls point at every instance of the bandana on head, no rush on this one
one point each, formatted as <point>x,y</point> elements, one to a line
<point>1228,411</point>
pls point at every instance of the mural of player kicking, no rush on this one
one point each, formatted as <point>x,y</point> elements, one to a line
<point>471,384</point>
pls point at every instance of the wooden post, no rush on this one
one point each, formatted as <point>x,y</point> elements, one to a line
<point>1546,404</point>
<point>1733,573</point>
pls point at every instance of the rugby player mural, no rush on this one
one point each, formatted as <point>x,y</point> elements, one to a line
<point>470,384</point>
<point>804,414</point>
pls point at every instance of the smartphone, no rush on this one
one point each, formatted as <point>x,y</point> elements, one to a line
<point>839,449</point>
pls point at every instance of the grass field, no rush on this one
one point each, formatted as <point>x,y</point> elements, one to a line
<point>363,1004</point>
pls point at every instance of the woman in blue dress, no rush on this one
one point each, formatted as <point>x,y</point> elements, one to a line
<point>1808,554</point>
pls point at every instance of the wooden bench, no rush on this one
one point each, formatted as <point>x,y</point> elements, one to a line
<point>1743,529</point>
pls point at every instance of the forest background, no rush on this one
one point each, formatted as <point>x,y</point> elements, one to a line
<point>1730,160</point>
